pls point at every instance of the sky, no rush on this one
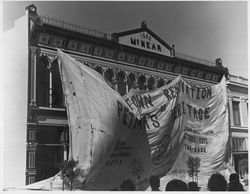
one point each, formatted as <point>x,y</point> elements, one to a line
<point>205,30</point>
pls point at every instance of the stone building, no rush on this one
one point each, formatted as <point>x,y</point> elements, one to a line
<point>238,107</point>
<point>34,110</point>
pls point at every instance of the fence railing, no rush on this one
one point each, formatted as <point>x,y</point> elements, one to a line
<point>194,59</point>
<point>69,26</point>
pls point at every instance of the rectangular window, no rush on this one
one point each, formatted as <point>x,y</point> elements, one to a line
<point>247,109</point>
<point>240,144</point>
<point>236,113</point>
<point>246,121</point>
<point>32,159</point>
<point>31,180</point>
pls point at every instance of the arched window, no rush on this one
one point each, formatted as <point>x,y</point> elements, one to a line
<point>160,83</point>
<point>57,91</point>
<point>121,82</point>
<point>99,69</point>
<point>142,82</point>
<point>42,85</point>
<point>131,81</point>
<point>109,76</point>
<point>151,83</point>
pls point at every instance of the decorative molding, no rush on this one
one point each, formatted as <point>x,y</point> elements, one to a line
<point>31,146</point>
<point>93,60</point>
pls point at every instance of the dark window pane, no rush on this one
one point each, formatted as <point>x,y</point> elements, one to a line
<point>236,113</point>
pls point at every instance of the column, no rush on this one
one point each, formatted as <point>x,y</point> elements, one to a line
<point>230,99</point>
<point>135,85</point>
<point>64,140</point>
<point>146,84</point>
<point>114,81</point>
<point>243,112</point>
<point>125,81</point>
<point>126,85</point>
<point>50,84</point>
<point>33,64</point>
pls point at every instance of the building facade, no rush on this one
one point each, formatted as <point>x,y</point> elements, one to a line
<point>136,58</point>
<point>238,107</point>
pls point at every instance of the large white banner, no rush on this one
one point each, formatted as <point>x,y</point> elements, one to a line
<point>185,124</point>
<point>144,133</point>
<point>94,124</point>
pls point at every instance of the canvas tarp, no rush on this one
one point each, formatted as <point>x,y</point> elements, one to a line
<point>166,128</point>
<point>159,132</point>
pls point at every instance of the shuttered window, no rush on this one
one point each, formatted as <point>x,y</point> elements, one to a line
<point>240,144</point>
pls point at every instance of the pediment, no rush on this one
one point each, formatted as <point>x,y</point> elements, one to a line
<point>143,38</point>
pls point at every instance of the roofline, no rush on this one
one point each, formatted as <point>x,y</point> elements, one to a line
<point>238,80</point>
<point>106,37</point>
